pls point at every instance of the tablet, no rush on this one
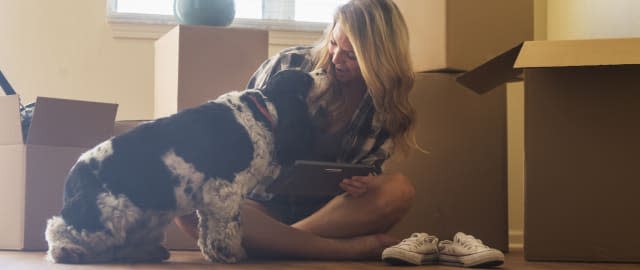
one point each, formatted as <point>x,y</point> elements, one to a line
<point>316,178</point>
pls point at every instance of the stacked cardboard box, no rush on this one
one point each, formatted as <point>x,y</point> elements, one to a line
<point>195,64</point>
<point>461,184</point>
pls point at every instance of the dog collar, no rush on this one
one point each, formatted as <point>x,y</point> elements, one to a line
<point>263,110</point>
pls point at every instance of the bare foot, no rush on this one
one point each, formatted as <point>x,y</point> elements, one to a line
<point>368,246</point>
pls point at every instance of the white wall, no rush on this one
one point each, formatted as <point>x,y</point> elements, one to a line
<point>515,138</point>
<point>65,49</point>
<point>585,19</point>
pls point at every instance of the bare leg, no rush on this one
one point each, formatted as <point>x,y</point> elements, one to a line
<point>386,202</point>
<point>266,237</point>
<point>346,228</point>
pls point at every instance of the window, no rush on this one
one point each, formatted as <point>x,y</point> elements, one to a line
<point>309,15</point>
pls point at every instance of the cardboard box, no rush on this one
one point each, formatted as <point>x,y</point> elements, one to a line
<point>582,115</point>
<point>461,34</point>
<point>461,184</point>
<point>122,126</point>
<point>196,63</point>
<point>33,172</point>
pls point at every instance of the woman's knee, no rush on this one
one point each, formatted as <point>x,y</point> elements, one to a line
<point>396,195</point>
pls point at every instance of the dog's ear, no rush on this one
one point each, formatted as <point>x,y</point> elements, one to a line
<point>287,83</point>
<point>288,90</point>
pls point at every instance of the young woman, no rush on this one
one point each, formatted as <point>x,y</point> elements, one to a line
<point>363,118</point>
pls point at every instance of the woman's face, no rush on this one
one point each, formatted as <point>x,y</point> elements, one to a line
<point>343,57</point>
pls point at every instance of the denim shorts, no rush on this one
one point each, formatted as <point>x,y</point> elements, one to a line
<point>289,210</point>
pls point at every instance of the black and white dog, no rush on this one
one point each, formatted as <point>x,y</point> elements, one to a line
<point>120,195</point>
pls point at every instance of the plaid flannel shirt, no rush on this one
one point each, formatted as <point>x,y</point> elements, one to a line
<point>365,141</point>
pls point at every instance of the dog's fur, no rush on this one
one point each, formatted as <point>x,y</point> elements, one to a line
<point>120,195</point>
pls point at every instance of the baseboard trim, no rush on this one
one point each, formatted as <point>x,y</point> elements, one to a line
<point>516,239</point>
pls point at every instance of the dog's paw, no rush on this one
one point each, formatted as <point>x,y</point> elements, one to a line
<point>67,254</point>
<point>222,253</point>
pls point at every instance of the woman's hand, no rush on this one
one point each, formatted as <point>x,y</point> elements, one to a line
<point>356,186</point>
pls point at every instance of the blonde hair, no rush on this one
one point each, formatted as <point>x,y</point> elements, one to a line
<point>380,39</point>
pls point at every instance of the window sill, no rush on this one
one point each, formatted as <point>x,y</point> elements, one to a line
<point>137,26</point>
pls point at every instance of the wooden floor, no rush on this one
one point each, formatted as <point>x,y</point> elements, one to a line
<point>10,260</point>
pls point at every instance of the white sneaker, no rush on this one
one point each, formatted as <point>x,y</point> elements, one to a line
<point>465,250</point>
<point>419,249</point>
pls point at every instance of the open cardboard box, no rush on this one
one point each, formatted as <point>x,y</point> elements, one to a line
<point>582,124</point>
<point>33,172</point>
<point>461,184</point>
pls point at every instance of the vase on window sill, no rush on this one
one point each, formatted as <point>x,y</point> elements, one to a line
<point>204,12</point>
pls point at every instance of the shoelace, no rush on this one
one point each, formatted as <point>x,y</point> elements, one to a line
<point>415,241</point>
<point>470,243</point>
